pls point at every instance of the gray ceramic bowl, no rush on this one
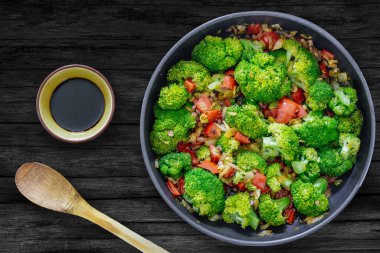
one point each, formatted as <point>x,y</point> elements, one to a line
<point>341,195</point>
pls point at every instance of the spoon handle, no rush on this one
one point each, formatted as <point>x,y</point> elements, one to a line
<point>124,233</point>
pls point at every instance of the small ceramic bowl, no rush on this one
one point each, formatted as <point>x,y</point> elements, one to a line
<point>50,84</point>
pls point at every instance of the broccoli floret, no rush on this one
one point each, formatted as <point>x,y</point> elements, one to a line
<point>311,174</point>
<point>247,119</point>
<point>317,131</point>
<point>202,153</point>
<point>350,145</point>
<point>228,144</point>
<point>308,157</point>
<point>192,70</point>
<point>276,179</point>
<point>250,48</point>
<point>283,140</point>
<point>319,95</point>
<point>279,55</point>
<point>249,160</point>
<point>238,209</point>
<point>173,96</point>
<point>332,164</point>
<point>270,210</point>
<point>309,199</point>
<point>216,53</point>
<point>303,68</point>
<point>344,101</point>
<point>170,127</point>
<point>204,191</point>
<point>262,79</point>
<point>173,164</point>
<point>352,124</point>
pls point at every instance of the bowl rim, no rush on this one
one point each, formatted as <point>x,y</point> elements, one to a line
<point>351,61</point>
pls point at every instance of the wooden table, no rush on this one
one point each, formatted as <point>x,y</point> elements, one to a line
<point>125,41</point>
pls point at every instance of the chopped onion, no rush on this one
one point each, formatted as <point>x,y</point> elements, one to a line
<point>278,44</point>
<point>170,133</point>
<point>156,164</point>
<point>221,127</point>
<point>266,233</point>
<point>209,142</point>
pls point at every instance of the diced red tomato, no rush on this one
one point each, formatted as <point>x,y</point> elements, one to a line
<point>190,85</point>
<point>228,82</point>
<point>181,186</point>
<point>298,96</point>
<point>212,167</point>
<point>172,188</point>
<point>230,72</point>
<point>211,130</point>
<point>253,29</point>
<point>214,154</point>
<point>213,115</point>
<point>203,103</point>
<point>327,54</point>
<point>287,110</point>
<point>241,186</point>
<point>182,147</point>
<point>330,113</point>
<point>301,112</point>
<point>269,39</point>
<point>227,102</point>
<point>242,138</point>
<point>231,172</point>
<point>324,70</point>
<point>290,214</point>
<point>259,181</point>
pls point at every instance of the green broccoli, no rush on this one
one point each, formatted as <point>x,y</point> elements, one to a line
<point>350,145</point>
<point>303,68</point>
<point>317,131</point>
<point>216,53</point>
<point>283,140</point>
<point>192,70</point>
<point>319,95</point>
<point>238,209</point>
<point>173,96</point>
<point>202,153</point>
<point>228,144</point>
<point>276,179</point>
<point>249,160</point>
<point>247,119</point>
<point>170,127</point>
<point>250,48</point>
<point>262,79</point>
<point>352,124</point>
<point>309,199</point>
<point>308,157</point>
<point>332,164</point>
<point>344,101</point>
<point>271,210</point>
<point>311,174</point>
<point>204,191</point>
<point>173,164</point>
<point>279,55</point>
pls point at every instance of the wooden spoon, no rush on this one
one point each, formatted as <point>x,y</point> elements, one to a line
<point>45,187</point>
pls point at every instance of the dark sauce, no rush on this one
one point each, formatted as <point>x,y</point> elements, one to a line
<point>77,104</point>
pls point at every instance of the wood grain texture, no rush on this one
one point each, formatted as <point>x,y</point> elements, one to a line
<point>125,40</point>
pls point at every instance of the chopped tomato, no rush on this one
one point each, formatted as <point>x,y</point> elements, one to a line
<point>287,110</point>
<point>241,186</point>
<point>212,130</point>
<point>290,214</point>
<point>227,102</point>
<point>242,138</point>
<point>182,147</point>
<point>212,167</point>
<point>230,72</point>
<point>203,103</point>
<point>269,39</point>
<point>327,54</point>
<point>172,188</point>
<point>323,67</point>
<point>259,181</point>
<point>253,29</point>
<point>181,186</point>
<point>301,112</point>
<point>298,96</point>
<point>213,115</point>
<point>228,82</point>
<point>190,85</point>
<point>330,113</point>
<point>231,172</point>
<point>214,154</point>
